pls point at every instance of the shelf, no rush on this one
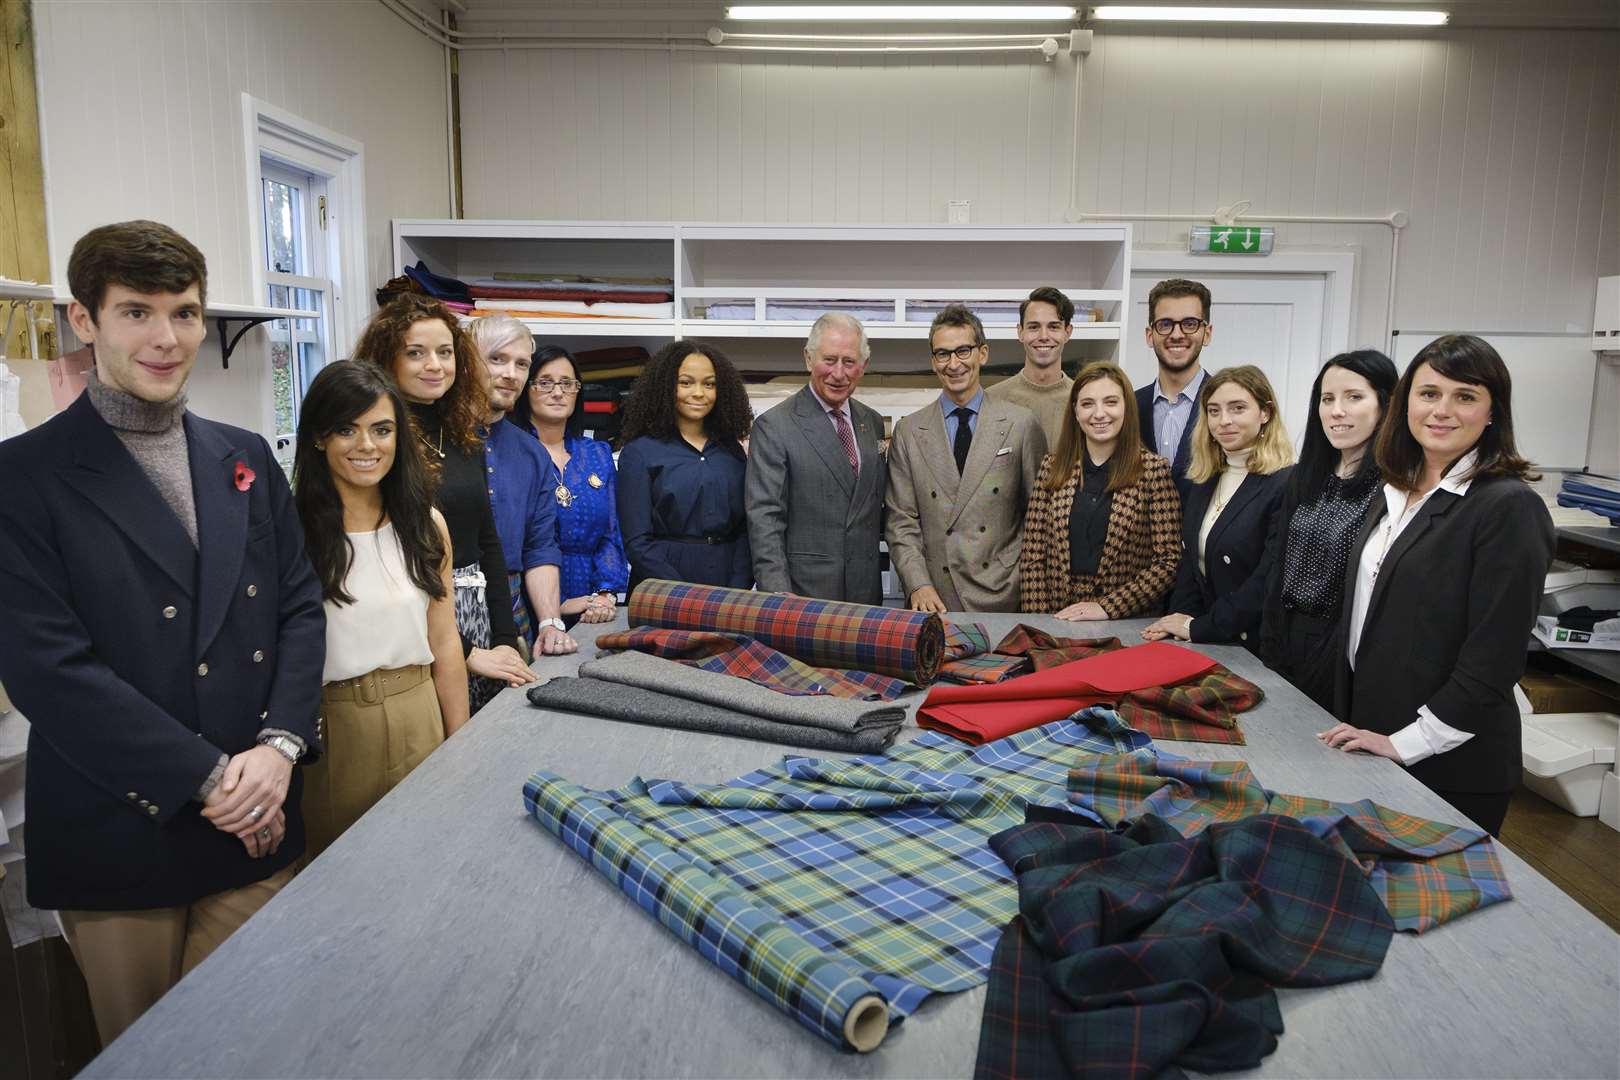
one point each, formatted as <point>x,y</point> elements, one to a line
<point>876,331</point>
<point>1604,663</point>
<point>1599,537</point>
<point>25,290</point>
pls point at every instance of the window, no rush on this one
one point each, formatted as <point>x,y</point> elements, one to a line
<point>294,206</point>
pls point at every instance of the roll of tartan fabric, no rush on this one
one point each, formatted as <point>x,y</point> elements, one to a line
<point>713,916</point>
<point>903,644</point>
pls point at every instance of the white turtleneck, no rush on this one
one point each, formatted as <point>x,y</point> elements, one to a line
<point>1237,468</point>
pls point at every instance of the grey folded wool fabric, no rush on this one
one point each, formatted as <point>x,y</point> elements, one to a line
<point>617,701</point>
<point>739,695</point>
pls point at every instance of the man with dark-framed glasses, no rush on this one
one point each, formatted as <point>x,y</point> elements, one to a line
<point>1177,331</point>
<point>960,475</point>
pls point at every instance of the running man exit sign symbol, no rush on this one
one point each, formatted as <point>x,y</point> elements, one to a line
<point>1231,239</point>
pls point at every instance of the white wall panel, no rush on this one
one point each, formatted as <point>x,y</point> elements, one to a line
<point>142,115</point>
<point>1500,145</point>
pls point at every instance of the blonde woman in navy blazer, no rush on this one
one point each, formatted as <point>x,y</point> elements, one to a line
<point>1240,466</point>
<point>1444,583</point>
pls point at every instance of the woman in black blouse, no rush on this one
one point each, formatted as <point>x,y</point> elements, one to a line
<point>420,344</point>
<point>1327,498</point>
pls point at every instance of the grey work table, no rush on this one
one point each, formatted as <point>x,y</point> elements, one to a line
<point>448,935</point>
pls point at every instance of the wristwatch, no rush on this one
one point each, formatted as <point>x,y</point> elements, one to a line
<point>558,623</point>
<point>283,746</point>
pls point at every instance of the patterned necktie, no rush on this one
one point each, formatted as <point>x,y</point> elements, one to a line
<point>964,437</point>
<point>847,437</point>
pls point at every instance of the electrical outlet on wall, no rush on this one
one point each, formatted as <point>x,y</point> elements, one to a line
<point>956,211</point>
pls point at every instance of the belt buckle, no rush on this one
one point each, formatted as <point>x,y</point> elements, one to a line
<point>369,688</point>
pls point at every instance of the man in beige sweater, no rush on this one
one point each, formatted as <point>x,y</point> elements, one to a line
<point>1045,321</point>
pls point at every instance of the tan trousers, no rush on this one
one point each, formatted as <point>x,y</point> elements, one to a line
<point>379,726</point>
<point>132,958</point>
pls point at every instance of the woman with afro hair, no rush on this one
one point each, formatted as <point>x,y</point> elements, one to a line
<point>681,470</point>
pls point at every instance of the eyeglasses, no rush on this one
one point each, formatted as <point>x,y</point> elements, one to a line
<point>961,352</point>
<point>1189,325</point>
<point>546,386</point>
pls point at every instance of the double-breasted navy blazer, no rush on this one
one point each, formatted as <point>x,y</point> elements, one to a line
<point>139,658</point>
<point>1227,598</point>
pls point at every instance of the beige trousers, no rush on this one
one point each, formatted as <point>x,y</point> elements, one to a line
<point>132,958</point>
<point>379,726</point>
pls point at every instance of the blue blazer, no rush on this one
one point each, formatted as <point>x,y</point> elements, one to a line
<point>1180,455</point>
<point>139,659</point>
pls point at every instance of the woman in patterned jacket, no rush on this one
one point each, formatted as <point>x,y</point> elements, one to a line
<point>1102,535</point>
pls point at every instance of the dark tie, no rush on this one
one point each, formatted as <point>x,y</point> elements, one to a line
<point>847,437</point>
<point>964,437</point>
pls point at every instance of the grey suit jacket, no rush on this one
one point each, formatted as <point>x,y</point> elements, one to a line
<point>813,525</point>
<point>962,534</point>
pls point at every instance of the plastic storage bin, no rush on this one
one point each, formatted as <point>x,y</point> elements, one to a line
<point>1567,755</point>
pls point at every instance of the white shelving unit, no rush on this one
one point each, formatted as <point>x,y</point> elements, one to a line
<point>903,273</point>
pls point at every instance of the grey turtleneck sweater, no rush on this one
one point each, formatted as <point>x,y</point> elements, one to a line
<point>155,437</point>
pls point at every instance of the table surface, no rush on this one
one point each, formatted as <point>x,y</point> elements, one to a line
<point>448,935</point>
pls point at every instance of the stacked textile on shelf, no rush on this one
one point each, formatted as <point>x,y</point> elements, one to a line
<point>1597,494</point>
<point>646,689</point>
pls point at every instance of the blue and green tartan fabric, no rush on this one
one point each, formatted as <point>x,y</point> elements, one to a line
<point>1426,872</point>
<point>882,862</point>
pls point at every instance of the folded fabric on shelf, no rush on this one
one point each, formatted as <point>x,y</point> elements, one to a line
<point>578,288</point>
<point>1140,950</point>
<point>565,307</point>
<point>880,864</point>
<point>438,286</point>
<point>982,713</point>
<point>560,294</point>
<point>656,708</point>
<point>529,276</point>
<point>1203,709</point>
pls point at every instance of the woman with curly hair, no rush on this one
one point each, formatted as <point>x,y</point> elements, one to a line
<point>395,684</point>
<point>421,345</point>
<point>681,470</point>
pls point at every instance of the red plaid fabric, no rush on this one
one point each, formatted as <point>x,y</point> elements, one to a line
<point>735,654</point>
<point>968,658</point>
<point>902,644</point>
<point>1203,709</point>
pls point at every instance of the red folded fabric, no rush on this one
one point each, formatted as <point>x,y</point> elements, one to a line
<point>981,714</point>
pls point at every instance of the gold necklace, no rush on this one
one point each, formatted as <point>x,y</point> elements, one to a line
<point>439,449</point>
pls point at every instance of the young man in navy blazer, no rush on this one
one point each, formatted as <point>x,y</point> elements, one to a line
<point>164,633</point>
<point>1178,329</point>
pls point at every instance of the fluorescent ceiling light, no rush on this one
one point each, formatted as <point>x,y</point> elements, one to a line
<point>901,12</point>
<point>897,38</point>
<point>1354,16</point>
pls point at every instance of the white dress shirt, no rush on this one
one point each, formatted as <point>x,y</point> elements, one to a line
<point>1428,735</point>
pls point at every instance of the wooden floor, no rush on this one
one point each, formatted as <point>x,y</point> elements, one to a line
<point>1580,855</point>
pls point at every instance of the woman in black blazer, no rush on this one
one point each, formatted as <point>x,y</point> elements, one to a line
<point>1444,583</point>
<point>1329,494</point>
<point>1240,464</point>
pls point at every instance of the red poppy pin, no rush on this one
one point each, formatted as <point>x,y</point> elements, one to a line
<point>244,477</point>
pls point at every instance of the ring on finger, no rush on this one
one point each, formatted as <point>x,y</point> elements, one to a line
<point>256,813</point>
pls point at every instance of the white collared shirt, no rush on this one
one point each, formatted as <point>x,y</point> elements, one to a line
<point>1428,735</point>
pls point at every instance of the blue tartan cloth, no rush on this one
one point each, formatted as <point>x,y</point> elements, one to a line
<point>881,863</point>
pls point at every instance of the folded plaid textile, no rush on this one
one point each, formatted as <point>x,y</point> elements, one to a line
<point>1425,872</point>
<point>983,713</point>
<point>968,658</point>
<point>1139,949</point>
<point>881,863</point>
<point>822,633</point>
<point>742,656</point>
<point>1203,709</point>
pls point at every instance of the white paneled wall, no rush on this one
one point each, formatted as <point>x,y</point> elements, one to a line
<point>141,101</point>
<point>1502,146</point>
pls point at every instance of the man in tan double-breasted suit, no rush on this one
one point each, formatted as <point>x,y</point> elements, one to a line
<point>960,474</point>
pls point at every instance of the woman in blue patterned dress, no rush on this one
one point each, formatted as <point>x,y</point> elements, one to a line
<point>594,569</point>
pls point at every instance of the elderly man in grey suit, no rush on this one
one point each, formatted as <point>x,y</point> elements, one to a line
<point>960,474</point>
<point>816,477</point>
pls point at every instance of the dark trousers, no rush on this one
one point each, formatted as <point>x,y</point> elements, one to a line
<point>1488,809</point>
<point>1308,652</point>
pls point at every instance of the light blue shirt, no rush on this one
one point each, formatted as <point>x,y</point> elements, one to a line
<point>947,406</point>
<point>1171,416</point>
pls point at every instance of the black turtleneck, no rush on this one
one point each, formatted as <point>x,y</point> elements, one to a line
<point>463,499</point>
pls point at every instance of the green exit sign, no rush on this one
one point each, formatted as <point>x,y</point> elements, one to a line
<point>1231,239</point>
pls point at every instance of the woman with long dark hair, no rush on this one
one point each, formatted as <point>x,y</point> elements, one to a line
<point>583,481</point>
<point>1241,457</point>
<point>395,684</point>
<point>1102,534</point>
<point>1327,498</point>
<point>681,470</point>
<point>421,345</point>
<point>1443,584</point>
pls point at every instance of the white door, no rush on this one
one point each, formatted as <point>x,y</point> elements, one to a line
<point>1272,320</point>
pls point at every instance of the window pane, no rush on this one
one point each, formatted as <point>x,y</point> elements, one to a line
<point>281,231</point>
<point>311,337</point>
